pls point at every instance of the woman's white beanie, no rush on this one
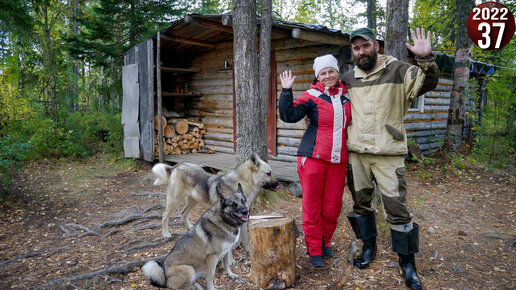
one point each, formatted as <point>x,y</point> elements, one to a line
<point>325,61</point>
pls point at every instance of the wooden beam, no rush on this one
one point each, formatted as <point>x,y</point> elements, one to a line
<point>160,102</point>
<point>209,24</point>
<point>188,41</point>
<point>320,37</point>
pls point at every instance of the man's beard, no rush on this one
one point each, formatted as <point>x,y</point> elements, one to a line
<point>369,64</point>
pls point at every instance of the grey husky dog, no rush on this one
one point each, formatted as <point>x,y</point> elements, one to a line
<point>200,249</point>
<point>189,181</point>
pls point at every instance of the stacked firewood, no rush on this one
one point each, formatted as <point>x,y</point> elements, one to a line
<point>180,136</point>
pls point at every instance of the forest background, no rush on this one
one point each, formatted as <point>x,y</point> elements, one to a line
<point>61,64</point>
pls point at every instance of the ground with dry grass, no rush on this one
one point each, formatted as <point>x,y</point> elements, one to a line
<point>63,219</point>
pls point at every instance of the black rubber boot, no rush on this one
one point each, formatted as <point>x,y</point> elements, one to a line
<point>365,229</point>
<point>406,245</point>
<point>316,261</point>
<point>327,252</point>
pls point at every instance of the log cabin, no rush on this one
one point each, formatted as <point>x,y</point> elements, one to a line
<point>185,71</point>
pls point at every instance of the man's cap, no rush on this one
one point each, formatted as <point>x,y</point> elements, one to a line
<point>325,61</point>
<point>365,33</point>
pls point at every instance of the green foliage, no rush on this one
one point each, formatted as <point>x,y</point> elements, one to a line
<point>425,166</point>
<point>77,137</point>
<point>438,17</point>
<point>495,143</point>
<point>11,153</point>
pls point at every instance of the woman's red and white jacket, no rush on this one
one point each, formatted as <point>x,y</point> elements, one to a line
<point>329,111</point>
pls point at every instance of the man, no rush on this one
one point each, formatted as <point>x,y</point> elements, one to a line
<point>381,89</point>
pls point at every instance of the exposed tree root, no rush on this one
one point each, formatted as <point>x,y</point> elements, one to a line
<point>122,269</point>
<point>71,230</point>
<point>128,219</point>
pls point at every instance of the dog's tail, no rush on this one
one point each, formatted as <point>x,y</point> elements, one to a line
<point>155,274</point>
<point>161,171</point>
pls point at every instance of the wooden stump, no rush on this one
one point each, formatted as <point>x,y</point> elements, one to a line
<point>273,251</point>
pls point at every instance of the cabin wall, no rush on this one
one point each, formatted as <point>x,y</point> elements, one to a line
<point>215,107</point>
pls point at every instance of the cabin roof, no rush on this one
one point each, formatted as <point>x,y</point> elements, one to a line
<point>198,33</point>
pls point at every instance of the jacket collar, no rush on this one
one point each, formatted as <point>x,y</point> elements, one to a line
<point>332,90</point>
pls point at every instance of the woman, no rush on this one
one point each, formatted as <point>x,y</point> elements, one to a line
<point>322,154</point>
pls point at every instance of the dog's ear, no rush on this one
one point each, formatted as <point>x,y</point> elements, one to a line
<point>255,161</point>
<point>240,188</point>
<point>219,194</point>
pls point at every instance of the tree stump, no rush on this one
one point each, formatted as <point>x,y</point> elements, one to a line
<point>273,251</point>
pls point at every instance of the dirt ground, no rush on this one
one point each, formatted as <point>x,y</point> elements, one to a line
<point>54,225</point>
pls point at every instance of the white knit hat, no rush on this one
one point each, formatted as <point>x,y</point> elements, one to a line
<point>325,61</point>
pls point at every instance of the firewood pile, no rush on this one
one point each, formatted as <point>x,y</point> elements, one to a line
<point>180,136</point>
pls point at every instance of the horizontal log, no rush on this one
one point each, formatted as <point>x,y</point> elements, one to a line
<point>437,94</point>
<point>446,81</point>
<point>210,113</point>
<point>326,38</point>
<point>213,105</point>
<point>218,121</point>
<point>213,83</point>
<point>434,108</point>
<point>219,130</point>
<point>309,53</point>
<point>426,133</point>
<point>218,137</point>
<point>425,116</point>
<point>436,101</point>
<point>291,133</point>
<point>284,158</point>
<point>287,150</point>
<point>218,143</point>
<point>425,125</point>
<point>292,142</point>
<point>442,88</point>
<point>221,90</point>
<point>297,126</point>
<point>188,41</point>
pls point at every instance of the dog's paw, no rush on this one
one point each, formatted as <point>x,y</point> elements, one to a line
<point>166,235</point>
<point>233,276</point>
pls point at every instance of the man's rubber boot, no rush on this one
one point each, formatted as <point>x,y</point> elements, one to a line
<point>406,244</point>
<point>365,229</point>
<point>327,252</point>
<point>316,261</point>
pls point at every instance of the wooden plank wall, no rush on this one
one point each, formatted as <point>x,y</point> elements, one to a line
<point>215,107</point>
<point>428,128</point>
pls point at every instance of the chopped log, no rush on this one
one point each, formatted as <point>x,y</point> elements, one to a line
<point>169,132</point>
<point>196,124</point>
<point>272,251</point>
<point>180,125</point>
<point>163,122</point>
<point>176,151</point>
<point>208,150</point>
<point>202,132</point>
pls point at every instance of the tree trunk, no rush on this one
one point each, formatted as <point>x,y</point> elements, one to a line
<point>73,104</point>
<point>273,252</point>
<point>246,81</point>
<point>371,14</point>
<point>265,72</point>
<point>454,136</point>
<point>50,63</point>
<point>397,29</point>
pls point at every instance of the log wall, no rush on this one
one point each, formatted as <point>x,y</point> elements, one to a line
<point>427,125</point>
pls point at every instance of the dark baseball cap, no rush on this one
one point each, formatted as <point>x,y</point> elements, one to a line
<point>365,33</point>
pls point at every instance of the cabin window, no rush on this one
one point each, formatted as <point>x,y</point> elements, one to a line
<point>418,105</point>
